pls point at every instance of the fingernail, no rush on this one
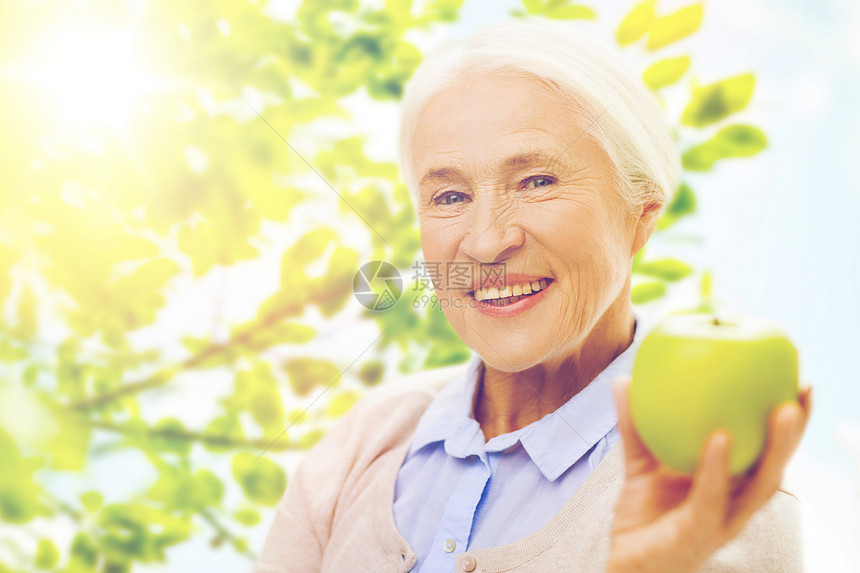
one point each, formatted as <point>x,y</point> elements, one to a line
<point>796,409</point>
<point>721,449</point>
<point>721,438</point>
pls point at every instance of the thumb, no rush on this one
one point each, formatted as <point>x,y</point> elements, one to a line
<point>636,454</point>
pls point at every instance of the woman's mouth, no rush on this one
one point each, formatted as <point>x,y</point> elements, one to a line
<point>511,294</point>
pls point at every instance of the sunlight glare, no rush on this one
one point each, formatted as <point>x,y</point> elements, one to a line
<point>94,75</point>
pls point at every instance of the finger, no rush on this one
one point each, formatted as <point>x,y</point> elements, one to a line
<point>637,456</point>
<point>708,503</point>
<point>804,398</point>
<point>785,428</point>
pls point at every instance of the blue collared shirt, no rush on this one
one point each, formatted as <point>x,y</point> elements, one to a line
<point>457,492</point>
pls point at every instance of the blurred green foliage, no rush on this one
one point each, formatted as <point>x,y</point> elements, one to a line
<point>102,226</point>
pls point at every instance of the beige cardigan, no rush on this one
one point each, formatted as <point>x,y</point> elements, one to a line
<point>336,515</point>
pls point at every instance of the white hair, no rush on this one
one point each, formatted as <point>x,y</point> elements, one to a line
<point>621,113</point>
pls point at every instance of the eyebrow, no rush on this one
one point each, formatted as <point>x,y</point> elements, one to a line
<point>514,162</point>
<point>523,160</point>
<point>439,174</point>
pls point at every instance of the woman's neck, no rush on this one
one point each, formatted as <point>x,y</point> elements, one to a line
<point>508,401</point>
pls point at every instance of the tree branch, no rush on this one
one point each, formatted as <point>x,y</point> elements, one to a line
<point>164,376</point>
<point>202,437</point>
<point>223,533</point>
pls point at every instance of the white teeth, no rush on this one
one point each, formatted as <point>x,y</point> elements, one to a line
<point>510,290</point>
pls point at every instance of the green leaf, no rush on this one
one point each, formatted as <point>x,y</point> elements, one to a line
<point>341,403</point>
<point>18,493</point>
<point>666,72</point>
<point>647,292</point>
<point>446,354</point>
<point>713,102</point>
<point>260,479</point>
<point>139,532</point>
<point>84,551</point>
<point>170,437</point>
<point>47,554</point>
<point>675,26</point>
<point>137,294</point>
<point>533,6</point>
<point>280,333</point>
<point>683,203</point>
<point>227,427</point>
<point>399,11</point>
<point>91,500</point>
<point>706,286</point>
<point>636,23</point>
<point>310,438</point>
<point>732,141</point>
<point>31,374</point>
<point>637,258</point>
<point>207,488</point>
<point>332,292</point>
<point>178,490</point>
<point>10,352</point>
<point>371,372</point>
<point>257,392</point>
<point>70,445</point>
<point>442,10</point>
<point>570,12</point>
<point>306,372</point>
<point>116,567</point>
<point>666,269</point>
<point>306,250</point>
<point>247,517</point>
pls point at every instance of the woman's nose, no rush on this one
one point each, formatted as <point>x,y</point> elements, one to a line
<point>494,232</point>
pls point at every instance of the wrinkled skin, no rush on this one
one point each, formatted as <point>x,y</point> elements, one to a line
<point>508,176</point>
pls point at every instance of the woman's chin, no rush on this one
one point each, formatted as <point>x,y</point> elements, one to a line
<point>507,355</point>
<point>519,346</point>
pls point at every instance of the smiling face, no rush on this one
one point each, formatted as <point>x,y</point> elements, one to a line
<point>509,179</point>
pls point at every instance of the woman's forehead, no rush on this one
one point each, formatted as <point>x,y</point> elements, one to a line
<point>501,100</point>
<point>504,122</point>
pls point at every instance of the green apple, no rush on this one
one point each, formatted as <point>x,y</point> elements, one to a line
<point>696,373</point>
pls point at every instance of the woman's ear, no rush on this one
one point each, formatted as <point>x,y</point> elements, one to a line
<point>645,224</point>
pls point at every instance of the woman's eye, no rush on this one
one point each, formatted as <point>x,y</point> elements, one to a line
<point>539,181</point>
<point>450,198</point>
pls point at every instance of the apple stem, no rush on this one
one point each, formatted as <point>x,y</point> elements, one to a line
<point>716,322</point>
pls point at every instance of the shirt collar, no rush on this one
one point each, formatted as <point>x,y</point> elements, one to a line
<point>578,424</point>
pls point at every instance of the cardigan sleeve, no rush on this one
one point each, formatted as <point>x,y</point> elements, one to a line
<point>324,484</point>
<point>299,534</point>
<point>770,541</point>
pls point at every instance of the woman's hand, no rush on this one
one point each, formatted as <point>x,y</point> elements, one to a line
<point>670,523</point>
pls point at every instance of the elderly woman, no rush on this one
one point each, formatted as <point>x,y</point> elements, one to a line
<point>532,155</point>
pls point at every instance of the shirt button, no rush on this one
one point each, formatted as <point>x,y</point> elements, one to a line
<point>469,563</point>
<point>449,545</point>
